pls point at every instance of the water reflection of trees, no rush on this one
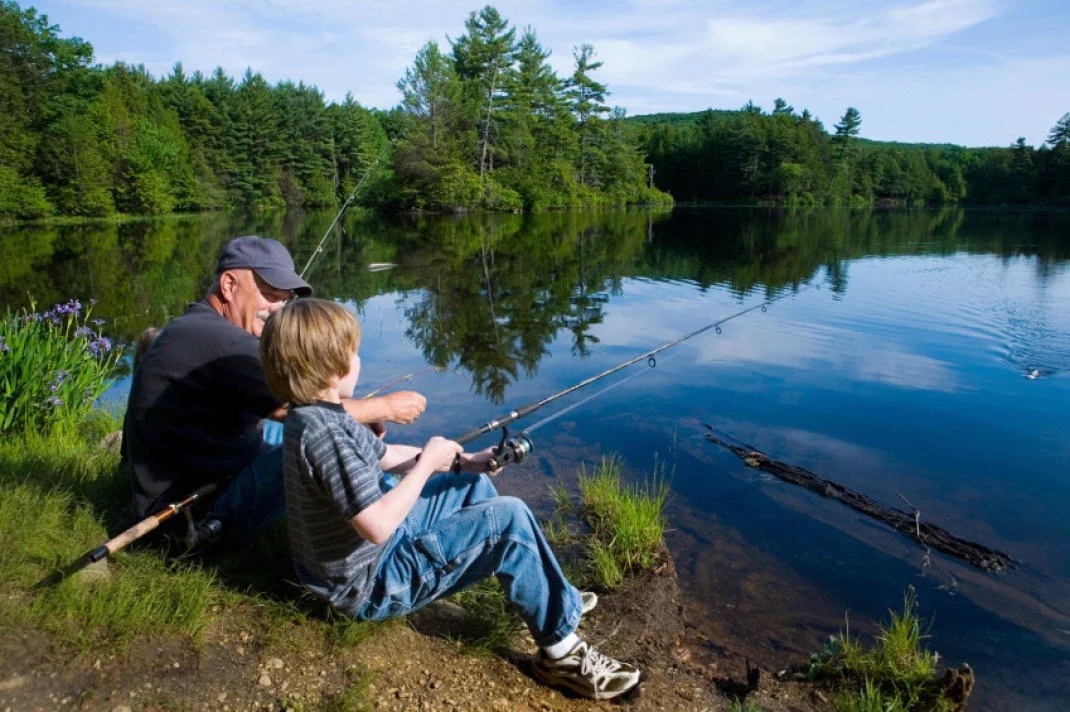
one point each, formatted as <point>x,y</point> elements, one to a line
<point>773,248</point>
<point>137,273</point>
<point>498,291</point>
<point>492,292</point>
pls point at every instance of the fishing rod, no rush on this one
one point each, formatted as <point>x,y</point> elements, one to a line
<point>341,211</point>
<point>514,449</point>
<point>132,534</point>
<point>403,379</point>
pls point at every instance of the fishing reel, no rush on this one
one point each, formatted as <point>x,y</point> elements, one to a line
<point>510,450</point>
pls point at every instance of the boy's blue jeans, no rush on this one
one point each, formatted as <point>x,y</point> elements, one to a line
<point>462,531</point>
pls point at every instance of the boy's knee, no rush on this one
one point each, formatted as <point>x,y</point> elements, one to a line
<point>513,508</point>
<point>482,488</point>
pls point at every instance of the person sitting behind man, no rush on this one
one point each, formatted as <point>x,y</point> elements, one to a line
<point>199,393</point>
<point>375,548</point>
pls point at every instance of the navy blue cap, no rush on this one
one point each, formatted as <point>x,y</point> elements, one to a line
<point>268,258</point>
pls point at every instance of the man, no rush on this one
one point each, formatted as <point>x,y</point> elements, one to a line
<point>199,395</point>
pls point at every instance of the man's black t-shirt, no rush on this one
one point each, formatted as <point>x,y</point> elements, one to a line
<point>193,410</point>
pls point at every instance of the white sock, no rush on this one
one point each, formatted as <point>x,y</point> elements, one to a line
<point>563,647</point>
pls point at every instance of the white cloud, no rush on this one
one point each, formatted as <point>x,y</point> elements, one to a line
<point>681,55</point>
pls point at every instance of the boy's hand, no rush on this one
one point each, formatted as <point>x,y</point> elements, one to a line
<point>478,462</point>
<point>439,453</point>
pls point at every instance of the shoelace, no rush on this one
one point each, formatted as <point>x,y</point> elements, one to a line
<point>596,664</point>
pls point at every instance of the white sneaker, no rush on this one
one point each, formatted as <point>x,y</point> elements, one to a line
<point>588,600</point>
<point>587,672</point>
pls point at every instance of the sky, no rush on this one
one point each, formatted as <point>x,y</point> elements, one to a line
<point>966,72</point>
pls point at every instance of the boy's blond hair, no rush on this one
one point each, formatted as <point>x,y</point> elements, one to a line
<point>305,345</point>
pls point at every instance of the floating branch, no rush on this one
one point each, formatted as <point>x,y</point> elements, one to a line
<point>906,523</point>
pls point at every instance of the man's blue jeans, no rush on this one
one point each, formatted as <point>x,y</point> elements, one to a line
<point>462,531</point>
<point>253,499</point>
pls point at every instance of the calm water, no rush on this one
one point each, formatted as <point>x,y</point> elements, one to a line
<point>915,357</point>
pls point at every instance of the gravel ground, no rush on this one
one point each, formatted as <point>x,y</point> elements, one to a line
<point>243,664</point>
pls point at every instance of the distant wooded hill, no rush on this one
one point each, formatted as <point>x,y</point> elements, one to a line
<point>787,157</point>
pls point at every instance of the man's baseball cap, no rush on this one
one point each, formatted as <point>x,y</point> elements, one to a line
<point>268,258</point>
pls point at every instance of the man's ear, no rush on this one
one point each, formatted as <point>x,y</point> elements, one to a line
<point>229,282</point>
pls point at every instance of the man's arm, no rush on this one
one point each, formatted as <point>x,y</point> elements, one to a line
<point>279,413</point>
<point>399,407</point>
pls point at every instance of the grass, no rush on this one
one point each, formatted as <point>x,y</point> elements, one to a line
<point>747,706</point>
<point>613,530</point>
<point>490,624</point>
<point>896,674</point>
<point>55,492</point>
<point>353,698</point>
<point>626,522</point>
<point>59,490</point>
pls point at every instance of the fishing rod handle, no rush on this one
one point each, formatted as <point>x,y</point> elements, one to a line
<point>148,524</point>
<point>132,534</point>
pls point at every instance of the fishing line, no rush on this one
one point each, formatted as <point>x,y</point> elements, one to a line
<point>577,404</point>
<point>516,448</point>
<point>341,211</point>
<point>405,378</point>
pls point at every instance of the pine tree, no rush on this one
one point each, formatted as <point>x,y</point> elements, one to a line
<point>256,143</point>
<point>482,57</point>
<point>1060,133</point>
<point>587,103</point>
<point>850,124</point>
<point>431,93</point>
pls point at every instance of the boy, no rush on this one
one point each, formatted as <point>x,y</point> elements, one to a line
<point>375,550</point>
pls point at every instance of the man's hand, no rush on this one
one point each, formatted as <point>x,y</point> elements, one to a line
<point>403,406</point>
<point>400,407</point>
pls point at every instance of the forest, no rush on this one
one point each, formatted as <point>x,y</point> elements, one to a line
<point>483,123</point>
<point>787,157</point>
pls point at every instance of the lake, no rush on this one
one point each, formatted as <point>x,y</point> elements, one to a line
<point>920,358</point>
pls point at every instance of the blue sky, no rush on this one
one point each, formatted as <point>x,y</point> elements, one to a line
<point>969,72</point>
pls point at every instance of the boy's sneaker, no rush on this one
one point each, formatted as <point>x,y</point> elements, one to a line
<point>588,600</point>
<point>587,672</point>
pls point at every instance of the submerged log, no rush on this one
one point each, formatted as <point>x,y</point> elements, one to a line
<point>906,523</point>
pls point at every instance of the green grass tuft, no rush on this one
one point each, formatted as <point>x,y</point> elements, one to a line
<point>143,598</point>
<point>53,490</point>
<point>896,674</point>
<point>348,633</point>
<point>627,522</point>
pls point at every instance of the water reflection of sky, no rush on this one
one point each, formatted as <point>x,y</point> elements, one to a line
<point>910,387</point>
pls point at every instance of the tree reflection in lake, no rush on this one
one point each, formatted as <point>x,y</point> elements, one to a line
<point>491,292</point>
